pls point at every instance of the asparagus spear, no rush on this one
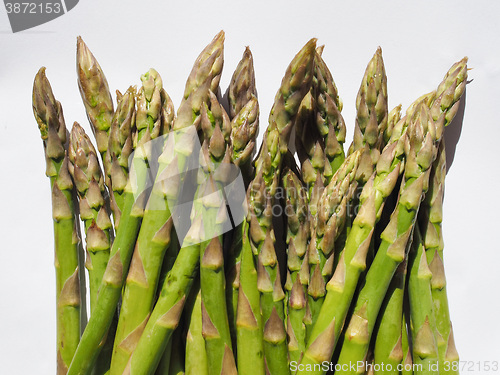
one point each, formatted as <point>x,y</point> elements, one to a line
<point>166,314</point>
<point>310,150</point>
<point>173,356</point>
<point>407,355</point>
<point>340,289</point>
<point>392,119</point>
<point>401,126</point>
<point>89,182</point>
<point>388,350</point>
<point>371,115</point>
<point>94,211</point>
<point>177,366</point>
<point>208,63</point>
<point>244,114</point>
<point>430,219</point>
<point>215,327</point>
<point>151,100</point>
<point>96,98</point>
<point>423,322</point>
<point>242,86</point>
<point>298,233</point>
<point>250,354</point>
<point>443,102</point>
<point>120,147</point>
<point>327,226</point>
<point>448,94</point>
<point>154,235</point>
<point>196,355</point>
<point>320,132</point>
<point>294,87</point>
<point>48,114</point>
<point>395,237</point>
<point>329,121</point>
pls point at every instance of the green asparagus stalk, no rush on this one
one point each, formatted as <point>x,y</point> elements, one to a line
<point>208,63</point>
<point>151,102</point>
<point>315,171</point>
<point>177,366</point>
<point>244,114</point>
<point>407,354</point>
<point>310,150</point>
<point>320,132</point>
<point>96,98</point>
<point>327,226</point>
<point>329,121</point>
<point>120,147</point>
<point>443,102</point>
<point>448,94</point>
<point>48,114</point>
<point>371,115</point>
<point>242,86</point>
<point>298,234</point>
<point>250,354</point>
<point>430,219</point>
<point>341,287</point>
<point>215,327</point>
<point>388,350</point>
<point>196,355</point>
<point>394,238</point>
<point>392,119</point>
<point>401,126</point>
<point>166,314</point>
<point>423,322</point>
<point>94,211</point>
<point>243,137</point>
<point>89,182</point>
<point>370,364</point>
<point>155,232</point>
<point>294,87</point>
<point>172,356</point>
<point>164,365</point>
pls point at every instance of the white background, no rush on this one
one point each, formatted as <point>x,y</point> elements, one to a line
<point>420,41</point>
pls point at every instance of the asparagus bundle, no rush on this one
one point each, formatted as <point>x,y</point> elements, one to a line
<point>342,285</point>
